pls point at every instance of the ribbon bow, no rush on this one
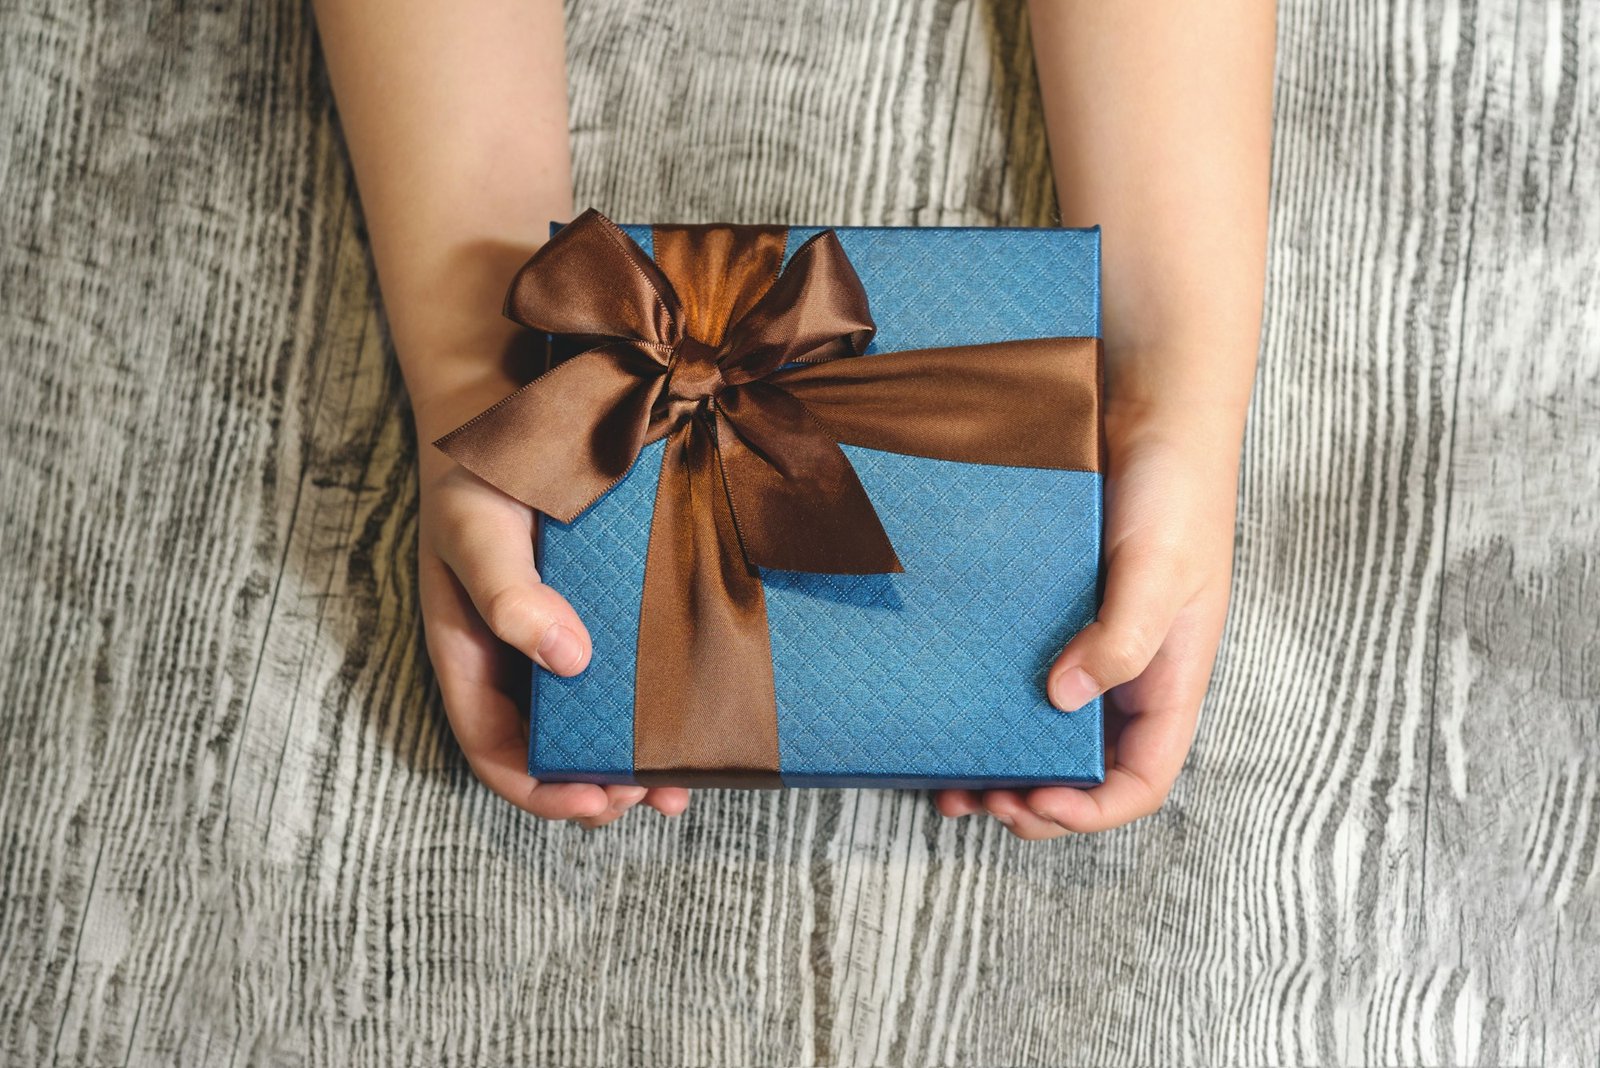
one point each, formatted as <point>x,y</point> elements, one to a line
<point>754,378</point>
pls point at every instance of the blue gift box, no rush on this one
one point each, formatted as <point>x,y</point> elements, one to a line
<point>934,677</point>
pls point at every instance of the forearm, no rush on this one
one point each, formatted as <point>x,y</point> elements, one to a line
<point>1159,117</point>
<point>455,116</point>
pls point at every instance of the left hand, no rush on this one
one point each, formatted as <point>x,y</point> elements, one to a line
<point>486,613</point>
<point>1170,496</point>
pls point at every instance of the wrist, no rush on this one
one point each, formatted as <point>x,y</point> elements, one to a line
<point>1203,437</point>
<point>456,349</point>
<point>1191,394</point>
<point>450,385</point>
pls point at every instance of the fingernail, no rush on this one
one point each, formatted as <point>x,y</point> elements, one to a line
<point>560,651</point>
<point>1073,689</point>
<point>1004,819</point>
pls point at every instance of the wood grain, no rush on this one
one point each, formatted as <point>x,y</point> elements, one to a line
<point>236,828</point>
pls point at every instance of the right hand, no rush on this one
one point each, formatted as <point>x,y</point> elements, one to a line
<point>485,614</point>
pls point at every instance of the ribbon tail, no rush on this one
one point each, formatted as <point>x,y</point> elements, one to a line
<point>797,502</point>
<point>1026,403</point>
<point>705,708</point>
<point>565,438</point>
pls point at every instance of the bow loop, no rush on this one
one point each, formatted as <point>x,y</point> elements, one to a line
<point>591,280</point>
<point>815,311</point>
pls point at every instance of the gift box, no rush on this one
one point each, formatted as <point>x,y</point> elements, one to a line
<point>828,500</point>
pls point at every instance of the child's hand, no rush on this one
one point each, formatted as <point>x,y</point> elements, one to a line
<point>1169,543</point>
<point>482,603</point>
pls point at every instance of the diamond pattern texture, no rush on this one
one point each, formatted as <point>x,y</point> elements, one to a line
<point>929,678</point>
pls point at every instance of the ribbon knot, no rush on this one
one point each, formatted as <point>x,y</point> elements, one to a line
<point>752,377</point>
<point>693,373</point>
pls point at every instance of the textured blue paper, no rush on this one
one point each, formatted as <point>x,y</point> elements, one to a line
<point>930,678</point>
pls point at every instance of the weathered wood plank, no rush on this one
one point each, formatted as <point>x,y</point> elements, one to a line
<point>237,829</point>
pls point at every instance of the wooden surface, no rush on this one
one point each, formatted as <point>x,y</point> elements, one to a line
<point>237,830</point>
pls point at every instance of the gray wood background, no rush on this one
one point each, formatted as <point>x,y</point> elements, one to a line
<point>236,827</point>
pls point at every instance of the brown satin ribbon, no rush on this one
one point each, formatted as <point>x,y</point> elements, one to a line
<point>750,375</point>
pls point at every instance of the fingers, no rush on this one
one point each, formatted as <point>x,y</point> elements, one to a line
<point>668,800</point>
<point>486,539</point>
<point>619,799</point>
<point>1008,807</point>
<point>1150,754</point>
<point>954,803</point>
<point>1126,795</point>
<point>1052,811</point>
<point>1140,603</point>
<point>1004,805</point>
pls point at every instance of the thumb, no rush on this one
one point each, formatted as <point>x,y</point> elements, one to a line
<point>492,556</point>
<point>1141,602</point>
